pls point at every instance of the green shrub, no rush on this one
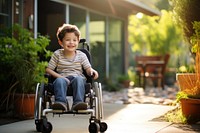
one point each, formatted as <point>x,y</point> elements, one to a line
<point>20,64</point>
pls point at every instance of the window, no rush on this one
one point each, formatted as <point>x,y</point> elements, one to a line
<point>97,43</point>
<point>77,17</point>
<point>115,47</point>
<point>49,19</point>
<point>5,14</point>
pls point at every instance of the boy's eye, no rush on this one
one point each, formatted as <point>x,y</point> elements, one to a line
<point>70,40</point>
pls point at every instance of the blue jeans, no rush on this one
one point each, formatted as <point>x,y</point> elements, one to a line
<point>61,88</point>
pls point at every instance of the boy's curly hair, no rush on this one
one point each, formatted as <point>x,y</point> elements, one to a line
<point>67,28</point>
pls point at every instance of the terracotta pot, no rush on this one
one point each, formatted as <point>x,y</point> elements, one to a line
<point>126,83</point>
<point>190,109</point>
<point>24,105</point>
<point>186,80</point>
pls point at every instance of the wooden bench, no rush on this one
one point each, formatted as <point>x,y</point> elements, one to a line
<point>151,67</point>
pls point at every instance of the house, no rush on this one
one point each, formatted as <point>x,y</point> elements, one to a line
<point>104,24</point>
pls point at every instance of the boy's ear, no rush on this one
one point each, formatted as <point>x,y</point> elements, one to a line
<point>60,43</point>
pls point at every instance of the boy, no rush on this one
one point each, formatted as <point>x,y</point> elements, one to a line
<point>68,63</point>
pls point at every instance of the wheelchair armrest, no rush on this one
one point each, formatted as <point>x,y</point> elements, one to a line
<point>46,75</point>
<point>88,86</point>
<point>49,77</point>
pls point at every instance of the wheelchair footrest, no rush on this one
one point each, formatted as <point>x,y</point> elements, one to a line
<point>88,111</point>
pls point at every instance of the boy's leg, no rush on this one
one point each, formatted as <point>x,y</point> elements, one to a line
<point>78,85</point>
<point>60,90</point>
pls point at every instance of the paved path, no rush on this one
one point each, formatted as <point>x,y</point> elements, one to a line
<point>137,117</point>
<point>120,118</point>
<point>138,95</point>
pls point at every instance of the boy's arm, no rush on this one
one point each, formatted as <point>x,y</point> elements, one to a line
<point>55,74</point>
<point>91,72</point>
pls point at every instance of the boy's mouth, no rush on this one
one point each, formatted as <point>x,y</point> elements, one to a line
<point>71,46</point>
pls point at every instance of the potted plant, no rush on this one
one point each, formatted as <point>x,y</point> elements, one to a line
<point>189,94</point>
<point>21,67</point>
<point>124,80</point>
<point>187,18</point>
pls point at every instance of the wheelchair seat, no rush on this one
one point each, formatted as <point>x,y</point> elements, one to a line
<point>93,97</point>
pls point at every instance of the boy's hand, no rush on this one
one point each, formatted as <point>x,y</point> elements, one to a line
<point>94,74</point>
<point>68,82</point>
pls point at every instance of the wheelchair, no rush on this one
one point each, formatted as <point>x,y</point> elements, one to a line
<point>93,97</point>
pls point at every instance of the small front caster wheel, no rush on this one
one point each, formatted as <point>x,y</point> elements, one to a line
<point>47,128</point>
<point>94,127</point>
<point>103,127</point>
<point>38,126</point>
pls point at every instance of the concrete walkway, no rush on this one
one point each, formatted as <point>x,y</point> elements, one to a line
<point>136,117</point>
<point>120,118</point>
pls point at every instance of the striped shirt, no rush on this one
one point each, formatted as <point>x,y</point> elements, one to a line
<point>69,67</point>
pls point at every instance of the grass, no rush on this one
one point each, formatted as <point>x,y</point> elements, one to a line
<point>175,116</point>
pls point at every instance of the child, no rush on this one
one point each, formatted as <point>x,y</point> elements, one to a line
<point>68,63</point>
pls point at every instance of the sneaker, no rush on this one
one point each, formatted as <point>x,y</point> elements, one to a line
<point>60,106</point>
<point>79,106</point>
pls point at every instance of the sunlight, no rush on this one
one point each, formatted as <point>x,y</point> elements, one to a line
<point>128,118</point>
<point>139,15</point>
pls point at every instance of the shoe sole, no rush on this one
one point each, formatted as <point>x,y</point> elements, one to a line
<point>58,106</point>
<point>80,106</point>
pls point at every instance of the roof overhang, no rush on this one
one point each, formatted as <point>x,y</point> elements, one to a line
<point>120,8</point>
<point>140,7</point>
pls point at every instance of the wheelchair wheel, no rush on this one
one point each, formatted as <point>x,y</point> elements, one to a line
<point>103,127</point>
<point>39,106</point>
<point>38,100</point>
<point>98,94</point>
<point>47,128</point>
<point>38,126</point>
<point>94,127</point>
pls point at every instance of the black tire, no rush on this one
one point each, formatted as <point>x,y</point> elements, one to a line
<point>94,127</point>
<point>37,110</point>
<point>38,127</point>
<point>39,94</point>
<point>47,128</point>
<point>103,127</point>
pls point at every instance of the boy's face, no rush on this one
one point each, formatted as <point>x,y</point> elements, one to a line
<point>70,42</point>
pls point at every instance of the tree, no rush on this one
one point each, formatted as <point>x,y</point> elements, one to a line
<point>185,13</point>
<point>155,35</point>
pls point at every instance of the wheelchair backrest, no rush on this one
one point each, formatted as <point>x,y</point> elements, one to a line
<point>85,49</point>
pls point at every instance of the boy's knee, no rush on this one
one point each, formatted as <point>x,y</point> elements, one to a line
<point>59,80</point>
<point>78,78</point>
